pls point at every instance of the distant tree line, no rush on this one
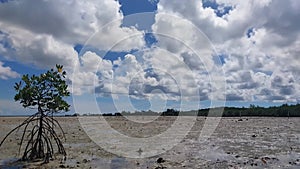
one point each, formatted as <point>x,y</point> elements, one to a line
<point>284,110</point>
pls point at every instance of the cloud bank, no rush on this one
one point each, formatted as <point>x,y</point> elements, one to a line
<point>252,45</point>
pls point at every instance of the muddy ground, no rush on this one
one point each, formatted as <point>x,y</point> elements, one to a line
<point>248,143</point>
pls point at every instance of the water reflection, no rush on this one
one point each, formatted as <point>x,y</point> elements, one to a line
<point>11,163</point>
<point>117,163</point>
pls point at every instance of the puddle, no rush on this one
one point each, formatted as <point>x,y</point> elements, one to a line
<point>117,163</point>
<point>106,163</point>
<point>11,163</point>
<point>120,163</point>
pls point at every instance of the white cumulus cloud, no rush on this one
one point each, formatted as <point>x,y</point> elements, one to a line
<point>45,32</point>
<point>257,41</point>
<point>252,45</point>
<point>7,72</point>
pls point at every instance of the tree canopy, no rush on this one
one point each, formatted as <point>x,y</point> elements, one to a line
<point>44,92</point>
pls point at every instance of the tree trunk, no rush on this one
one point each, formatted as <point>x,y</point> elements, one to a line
<point>37,151</point>
<point>40,139</point>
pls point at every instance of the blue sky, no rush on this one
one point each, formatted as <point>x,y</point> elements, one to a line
<point>147,54</point>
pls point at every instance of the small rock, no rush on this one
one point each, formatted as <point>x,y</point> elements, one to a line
<point>84,160</point>
<point>160,160</point>
<point>254,135</point>
<point>237,156</point>
<point>62,166</point>
<point>264,161</point>
<point>273,158</point>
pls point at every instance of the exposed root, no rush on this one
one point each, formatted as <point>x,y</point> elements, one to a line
<point>41,138</point>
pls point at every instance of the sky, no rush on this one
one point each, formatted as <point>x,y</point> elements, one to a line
<point>132,55</point>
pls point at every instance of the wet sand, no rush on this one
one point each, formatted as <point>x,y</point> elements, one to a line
<point>250,143</point>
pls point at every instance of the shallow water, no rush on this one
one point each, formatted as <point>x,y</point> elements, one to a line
<point>11,163</point>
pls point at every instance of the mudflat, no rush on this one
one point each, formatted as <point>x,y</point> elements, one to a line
<point>250,142</point>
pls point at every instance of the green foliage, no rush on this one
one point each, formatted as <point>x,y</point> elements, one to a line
<point>284,110</point>
<point>44,92</point>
